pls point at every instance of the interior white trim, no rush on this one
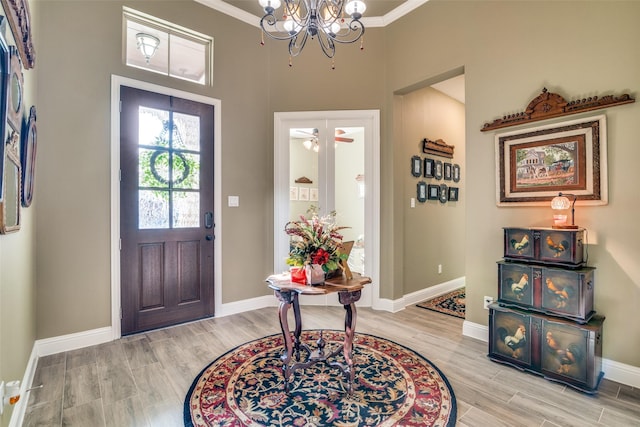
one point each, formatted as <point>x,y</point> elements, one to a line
<point>116,82</point>
<point>19,410</point>
<point>368,21</point>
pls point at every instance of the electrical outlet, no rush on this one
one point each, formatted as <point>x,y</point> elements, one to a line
<point>486,301</point>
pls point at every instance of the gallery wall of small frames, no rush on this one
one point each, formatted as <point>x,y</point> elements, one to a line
<point>439,177</point>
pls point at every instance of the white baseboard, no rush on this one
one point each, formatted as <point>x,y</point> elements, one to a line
<point>20,409</point>
<point>415,297</point>
<point>236,307</point>
<point>614,371</point>
<point>69,342</point>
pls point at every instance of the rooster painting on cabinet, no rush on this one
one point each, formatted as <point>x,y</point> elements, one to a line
<point>511,338</point>
<point>516,283</point>
<point>565,350</point>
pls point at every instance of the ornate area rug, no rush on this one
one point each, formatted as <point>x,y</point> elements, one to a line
<point>452,303</point>
<point>394,386</point>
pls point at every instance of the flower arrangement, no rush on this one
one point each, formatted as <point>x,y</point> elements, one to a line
<point>315,240</point>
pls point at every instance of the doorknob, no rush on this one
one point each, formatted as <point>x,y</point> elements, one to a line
<point>209,237</point>
<point>208,220</point>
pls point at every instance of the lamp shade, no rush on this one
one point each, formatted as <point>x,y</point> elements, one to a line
<point>560,203</point>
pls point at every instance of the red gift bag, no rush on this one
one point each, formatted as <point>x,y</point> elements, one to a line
<point>297,275</point>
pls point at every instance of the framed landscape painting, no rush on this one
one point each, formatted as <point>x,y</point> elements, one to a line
<point>533,165</point>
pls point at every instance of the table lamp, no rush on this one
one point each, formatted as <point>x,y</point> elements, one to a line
<point>561,205</point>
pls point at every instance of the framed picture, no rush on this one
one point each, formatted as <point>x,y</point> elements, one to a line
<point>534,165</point>
<point>447,171</point>
<point>429,168</point>
<point>438,170</point>
<point>303,194</point>
<point>5,70</point>
<point>19,17</point>
<point>433,192</point>
<point>313,194</point>
<point>416,166</point>
<point>15,103</point>
<point>453,194</point>
<point>28,156</point>
<point>293,193</point>
<point>422,192</point>
<point>456,173</point>
<point>444,193</point>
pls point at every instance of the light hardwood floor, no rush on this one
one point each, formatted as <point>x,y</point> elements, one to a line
<point>142,380</point>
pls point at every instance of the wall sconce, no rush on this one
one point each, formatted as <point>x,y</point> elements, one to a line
<point>147,44</point>
<point>561,205</point>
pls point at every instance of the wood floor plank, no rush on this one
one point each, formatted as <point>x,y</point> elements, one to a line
<point>139,352</point>
<point>51,377</point>
<point>87,414</point>
<point>81,385</point>
<point>44,415</point>
<point>125,413</point>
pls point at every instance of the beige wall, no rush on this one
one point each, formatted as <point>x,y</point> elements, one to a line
<point>510,51</point>
<point>575,48</point>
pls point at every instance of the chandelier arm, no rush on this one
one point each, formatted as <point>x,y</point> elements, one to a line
<point>296,44</point>
<point>276,33</point>
<point>355,30</point>
<point>327,44</point>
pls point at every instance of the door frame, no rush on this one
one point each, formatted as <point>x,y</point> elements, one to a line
<point>116,82</point>
<point>370,120</point>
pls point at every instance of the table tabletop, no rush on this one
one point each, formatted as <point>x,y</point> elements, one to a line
<point>283,283</point>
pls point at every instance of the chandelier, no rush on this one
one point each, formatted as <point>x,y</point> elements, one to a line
<point>321,19</point>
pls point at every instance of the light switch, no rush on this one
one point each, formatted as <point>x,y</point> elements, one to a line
<point>234,201</point>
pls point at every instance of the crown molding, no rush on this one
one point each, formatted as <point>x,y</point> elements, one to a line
<point>370,22</point>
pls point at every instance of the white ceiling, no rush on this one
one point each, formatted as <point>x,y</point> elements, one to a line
<point>454,87</point>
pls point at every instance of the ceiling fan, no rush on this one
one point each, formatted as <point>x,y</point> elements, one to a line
<point>312,142</point>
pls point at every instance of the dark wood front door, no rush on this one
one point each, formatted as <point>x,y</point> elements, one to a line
<point>166,210</point>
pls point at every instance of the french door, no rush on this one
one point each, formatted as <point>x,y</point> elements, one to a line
<point>328,161</point>
<point>166,210</point>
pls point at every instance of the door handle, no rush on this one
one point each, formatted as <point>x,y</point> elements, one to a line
<point>209,237</point>
<point>208,220</point>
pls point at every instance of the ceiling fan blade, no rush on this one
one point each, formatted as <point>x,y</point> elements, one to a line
<point>342,139</point>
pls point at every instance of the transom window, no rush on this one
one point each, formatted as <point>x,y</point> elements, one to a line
<point>165,48</point>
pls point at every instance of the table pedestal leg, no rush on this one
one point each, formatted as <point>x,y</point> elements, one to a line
<point>286,300</point>
<point>348,300</point>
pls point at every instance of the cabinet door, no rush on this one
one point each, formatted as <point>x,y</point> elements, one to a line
<point>511,337</point>
<point>516,284</point>
<point>566,351</point>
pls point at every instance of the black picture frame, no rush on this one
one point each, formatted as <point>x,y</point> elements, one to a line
<point>433,192</point>
<point>453,194</point>
<point>438,170</point>
<point>5,69</point>
<point>429,167</point>
<point>444,193</point>
<point>447,171</point>
<point>456,173</point>
<point>28,156</point>
<point>421,191</point>
<point>416,166</point>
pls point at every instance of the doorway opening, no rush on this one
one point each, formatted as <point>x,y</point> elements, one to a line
<point>329,160</point>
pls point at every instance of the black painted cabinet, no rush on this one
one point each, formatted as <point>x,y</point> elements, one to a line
<point>544,320</point>
<point>558,349</point>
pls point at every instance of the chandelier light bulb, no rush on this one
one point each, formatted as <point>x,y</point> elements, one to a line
<point>291,26</point>
<point>269,6</point>
<point>355,9</point>
<point>307,144</point>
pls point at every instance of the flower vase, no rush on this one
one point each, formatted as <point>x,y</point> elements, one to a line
<point>314,274</point>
